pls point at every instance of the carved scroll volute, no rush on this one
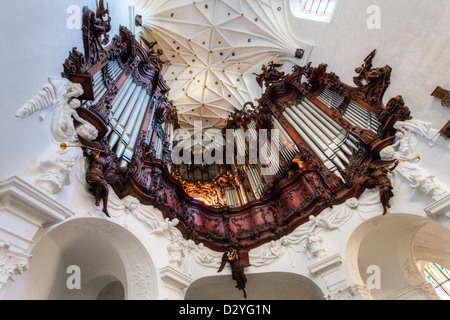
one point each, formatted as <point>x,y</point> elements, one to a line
<point>95,33</point>
<point>103,108</point>
<point>264,119</point>
<point>75,64</point>
<point>395,111</point>
<point>76,70</point>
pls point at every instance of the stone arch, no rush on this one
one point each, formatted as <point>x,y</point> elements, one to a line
<point>261,286</point>
<point>96,287</point>
<point>397,244</point>
<point>105,253</point>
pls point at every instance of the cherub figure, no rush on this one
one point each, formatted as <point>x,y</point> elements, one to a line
<point>102,27</point>
<point>154,56</point>
<point>96,180</point>
<point>270,76</point>
<point>237,269</point>
<point>378,177</point>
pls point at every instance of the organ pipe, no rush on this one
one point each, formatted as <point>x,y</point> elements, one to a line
<point>314,125</point>
<point>292,118</point>
<point>124,116</point>
<point>132,124</point>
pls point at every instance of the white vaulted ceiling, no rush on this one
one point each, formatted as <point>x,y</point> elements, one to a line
<point>214,47</point>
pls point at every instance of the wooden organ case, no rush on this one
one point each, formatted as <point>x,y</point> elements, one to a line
<point>330,138</point>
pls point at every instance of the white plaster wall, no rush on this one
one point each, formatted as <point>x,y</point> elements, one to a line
<point>35,43</point>
<point>46,277</point>
<point>342,44</point>
<point>413,40</point>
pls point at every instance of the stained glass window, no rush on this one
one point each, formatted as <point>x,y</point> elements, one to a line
<point>319,7</point>
<point>439,277</point>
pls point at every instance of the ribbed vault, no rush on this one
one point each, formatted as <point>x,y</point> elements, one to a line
<point>214,48</point>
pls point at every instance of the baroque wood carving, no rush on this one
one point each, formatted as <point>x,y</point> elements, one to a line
<point>305,186</point>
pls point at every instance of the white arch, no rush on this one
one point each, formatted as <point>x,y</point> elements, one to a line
<point>105,252</point>
<point>397,243</point>
<point>261,286</point>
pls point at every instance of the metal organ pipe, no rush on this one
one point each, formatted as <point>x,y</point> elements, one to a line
<point>114,70</point>
<point>292,119</point>
<point>290,149</point>
<point>334,127</point>
<point>331,98</point>
<point>244,196</point>
<point>121,122</point>
<point>295,121</point>
<point>132,123</point>
<point>315,127</point>
<point>123,91</point>
<point>230,198</point>
<point>235,197</point>
<point>97,79</point>
<point>362,115</point>
<point>253,185</point>
<point>138,94</point>
<point>355,119</point>
<point>337,138</point>
<point>228,195</point>
<point>240,142</point>
<point>254,135</point>
<point>158,148</point>
<point>366,116</point>
<point>129,152</point>
<point>257,182</point>
<point>122,104</point>
<point>354,113</point>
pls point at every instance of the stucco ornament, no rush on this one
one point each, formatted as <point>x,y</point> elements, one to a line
<point>406,150</point>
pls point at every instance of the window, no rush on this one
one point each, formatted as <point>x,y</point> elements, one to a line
<point>319,7</point>
<point>316,10</point>
<point>439,277</point>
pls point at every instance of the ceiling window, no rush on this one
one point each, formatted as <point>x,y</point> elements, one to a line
<point>319,7</point>
<point>316,10</point>
<point>439,277</point>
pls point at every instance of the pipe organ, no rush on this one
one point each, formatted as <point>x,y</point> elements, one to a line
<point>353,112</point>
<point>324,135</point>
<point>330,142</point>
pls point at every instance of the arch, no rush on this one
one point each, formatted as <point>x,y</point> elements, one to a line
<point>396,245</point>
<point>263,286</point>
<point>315,10</point>
<point>99,287</point>
<point>106,253</point>
<point>113,291</point>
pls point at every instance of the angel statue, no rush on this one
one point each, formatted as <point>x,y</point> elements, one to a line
<point>237,269</point>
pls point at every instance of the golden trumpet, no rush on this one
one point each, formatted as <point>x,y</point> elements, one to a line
<point>398,162</point>
<point>416,158</point>
<point>156,38</point>
<point>65,146</point>
<point>275,58</point>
